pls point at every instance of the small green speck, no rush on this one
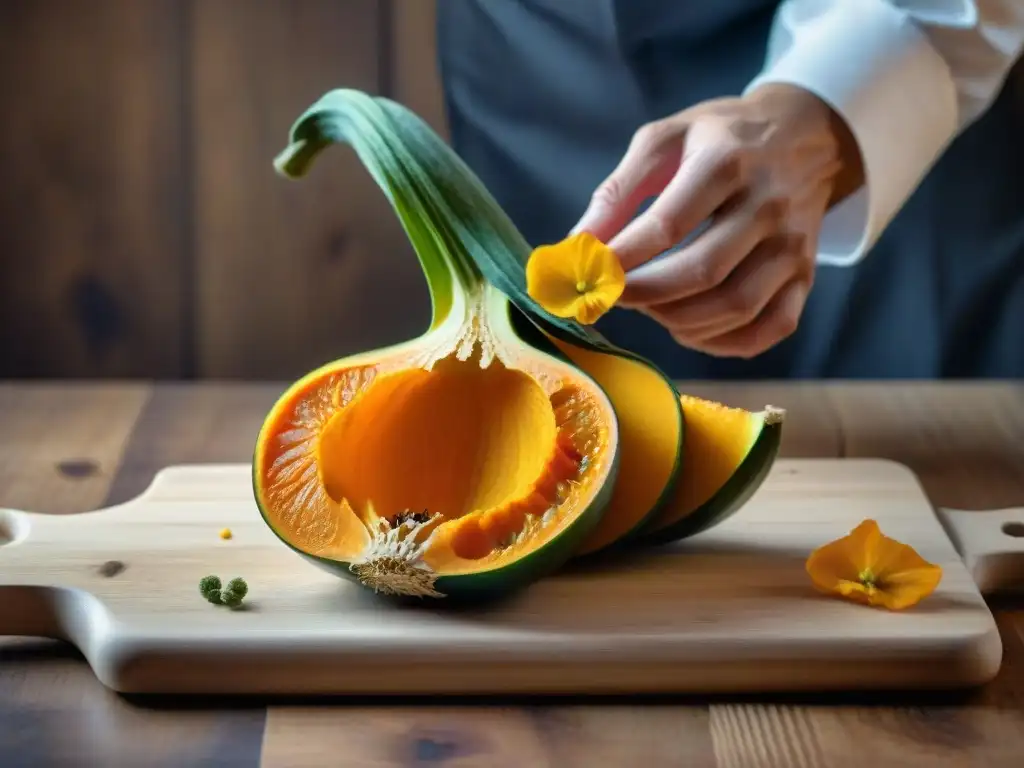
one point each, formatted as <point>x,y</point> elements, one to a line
<point>209,584</point>
<point>231,595</point>
<point>237,586</point>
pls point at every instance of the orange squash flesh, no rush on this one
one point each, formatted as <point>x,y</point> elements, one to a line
<point>650,423</point>
<point>504,465</point>
<point>718,439</point>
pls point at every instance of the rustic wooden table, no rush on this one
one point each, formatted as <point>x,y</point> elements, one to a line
<point>67,448</point>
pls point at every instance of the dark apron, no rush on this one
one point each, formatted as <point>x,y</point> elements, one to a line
<point>543,97</point>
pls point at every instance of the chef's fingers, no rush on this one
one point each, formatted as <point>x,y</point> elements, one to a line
<point>713,170</point>
<point>650,162</point>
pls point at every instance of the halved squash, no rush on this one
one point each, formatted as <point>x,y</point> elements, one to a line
<point>480,456</point>
<point>460,477</point>
<point>729,453</point>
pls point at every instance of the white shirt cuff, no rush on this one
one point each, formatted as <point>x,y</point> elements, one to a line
<point>879,72</point>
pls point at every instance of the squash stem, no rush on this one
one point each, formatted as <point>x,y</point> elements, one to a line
<point>348,117</point>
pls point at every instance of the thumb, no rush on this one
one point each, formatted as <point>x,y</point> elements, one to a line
<point>644,171</point>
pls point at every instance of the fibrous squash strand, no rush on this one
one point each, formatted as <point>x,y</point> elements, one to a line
<point>392,563</point>
<point>468,335</point>
<point>409,516</point>
<point>293,485</point>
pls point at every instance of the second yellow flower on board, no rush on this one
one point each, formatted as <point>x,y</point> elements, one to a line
<point>866,566</point>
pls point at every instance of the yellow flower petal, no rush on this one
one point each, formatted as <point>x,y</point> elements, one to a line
<point>893,559</point>
<point>553,263</point>
<point>859,593</point>
<point>551,280</point>
<point>589,309</point>
<point>579,277</point>
<point>907,588</point>
<point>559,297</point>
<point>597,263</point>
<point>843,559</point>
<point>869,567</point>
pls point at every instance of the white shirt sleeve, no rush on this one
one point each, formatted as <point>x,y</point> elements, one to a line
<point>906,75</point>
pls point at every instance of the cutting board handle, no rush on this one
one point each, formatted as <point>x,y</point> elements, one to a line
<point>25,611</point>
<point>34,610</point>
<point>14,526</point>
<point>991,544</point>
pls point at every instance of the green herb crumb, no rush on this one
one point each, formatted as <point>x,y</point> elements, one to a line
<point>231,595</point>
<point>237,586</point>
<point>209,587</point>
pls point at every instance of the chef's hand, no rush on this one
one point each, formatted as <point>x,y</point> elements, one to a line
<point>760,171</point>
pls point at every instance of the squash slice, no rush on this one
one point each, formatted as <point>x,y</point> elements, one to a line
<point>729,454</point>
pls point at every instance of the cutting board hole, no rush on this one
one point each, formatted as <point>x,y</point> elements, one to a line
<point>12,527</point>
<point>1014,529</point>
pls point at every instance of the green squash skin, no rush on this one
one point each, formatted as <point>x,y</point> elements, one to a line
<point>730,498</point>
<point>489,585</point>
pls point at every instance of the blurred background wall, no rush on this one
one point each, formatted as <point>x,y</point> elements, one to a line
<point>143,231</point>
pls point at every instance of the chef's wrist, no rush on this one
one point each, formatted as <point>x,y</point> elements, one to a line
<point>792,108</point>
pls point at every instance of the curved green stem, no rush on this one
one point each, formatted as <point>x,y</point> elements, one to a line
<point>353,118</point>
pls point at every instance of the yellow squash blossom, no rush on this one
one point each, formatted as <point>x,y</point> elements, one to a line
<point>868,567</point>
<point>579,277</point>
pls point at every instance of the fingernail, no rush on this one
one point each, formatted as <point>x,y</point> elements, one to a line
<point>796,298</point>
<point>590,220</point>
<point>581,225</point>
<point>800,295</point>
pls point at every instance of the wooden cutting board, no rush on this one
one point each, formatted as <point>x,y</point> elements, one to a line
<point>731,610</point>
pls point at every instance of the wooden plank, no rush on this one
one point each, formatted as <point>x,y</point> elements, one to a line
<point>54,717</point>
<point>185,424</point>
<point>93,226</point>
<point>965,441</point>
<point>496,737</point>
<point>290,274</point>
<point>63,449</point>
<point>63,443</point>
<point>926,735</point>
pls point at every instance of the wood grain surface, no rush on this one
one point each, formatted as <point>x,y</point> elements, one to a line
<point>966,442</point>
<point>290,274</point>
<point>92,219</point>
<point>143,230</point>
